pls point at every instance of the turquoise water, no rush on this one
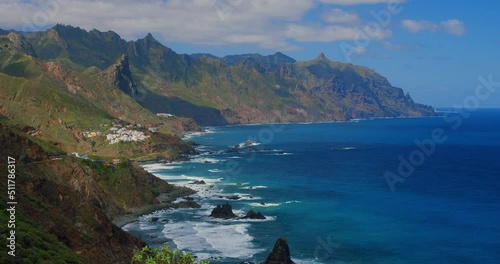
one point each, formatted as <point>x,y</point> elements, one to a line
<point>322,186</point>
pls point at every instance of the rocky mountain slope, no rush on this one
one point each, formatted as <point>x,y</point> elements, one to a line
<point>235,89</point>
<point>63,106</point>
<point>72,202</point>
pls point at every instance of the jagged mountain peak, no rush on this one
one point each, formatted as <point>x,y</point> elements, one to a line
<point>15,42</point>
<point>150,38</point>
<point>321,56</point>
<point>283,57</point>
<point>68,29</point>
<point>119,74</point>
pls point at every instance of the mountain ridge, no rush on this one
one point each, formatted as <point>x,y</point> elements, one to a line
<point>236,89</point>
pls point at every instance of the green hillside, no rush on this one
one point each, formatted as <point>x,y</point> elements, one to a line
<point>235,89</point>
<point>62,105</point>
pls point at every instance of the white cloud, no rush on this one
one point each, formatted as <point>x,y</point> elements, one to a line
<point>203,22</point>
<point>268,24</point>
<point>452,26</point>
<point>339,16</point>
<point>359,2</point>
<point>359,50</point>
<point>317,33</point>
<point>401,46</point>
<point>416,26</point>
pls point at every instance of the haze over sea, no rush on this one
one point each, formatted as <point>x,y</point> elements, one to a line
<point>322,186</point>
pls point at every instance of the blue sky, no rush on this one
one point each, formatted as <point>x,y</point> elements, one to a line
<point>435,52</point>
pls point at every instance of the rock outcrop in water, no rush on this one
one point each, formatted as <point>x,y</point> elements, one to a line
<point>254,215</point>
<point>225,212</point>
<point>280,254</point>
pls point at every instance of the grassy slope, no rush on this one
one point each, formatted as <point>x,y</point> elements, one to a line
<point>53,99</point>
<point>33,243</point>
<point>75,201</point>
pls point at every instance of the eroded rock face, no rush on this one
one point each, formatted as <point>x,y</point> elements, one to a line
<point>224,211</point>
<point>20,44</point>
<point>123,77</point>
<point>280,254</point>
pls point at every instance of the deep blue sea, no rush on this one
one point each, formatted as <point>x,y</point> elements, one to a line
<point>327,188</point>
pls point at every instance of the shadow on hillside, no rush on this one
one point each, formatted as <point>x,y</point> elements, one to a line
<point>204,116</point>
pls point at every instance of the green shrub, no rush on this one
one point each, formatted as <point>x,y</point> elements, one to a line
<point>163,255</point>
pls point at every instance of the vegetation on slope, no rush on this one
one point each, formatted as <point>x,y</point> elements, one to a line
<point>75,201</point>
<point>164,255</point>
<point>238,88</point>
<point>59,105</point>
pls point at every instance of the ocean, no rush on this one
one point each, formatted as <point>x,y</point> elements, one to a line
<point>405,190</point>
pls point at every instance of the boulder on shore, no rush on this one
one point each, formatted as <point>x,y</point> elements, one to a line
<point>280,254</point>
<point>253,215</point>
<point>225,212</point>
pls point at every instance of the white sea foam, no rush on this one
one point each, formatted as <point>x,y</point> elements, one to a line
<point>215,170</point>
<point>247,144</point>
<point>203,191</point>
<point>184,236</point>
<point>254,187</point>
<point>198,133</point>
<point>129,226</point>
<point>239,220</point>
<point>264,204</point>
<point>189,179</point>
<point>347,148</point>
<point>212,239</point>
<point>146,226</point>
<point>232,241</point>
<point>205,160</point>
<point>157,167</point>
<point>272,204</point>
<point>282,154</point>
<point>270,150</point>
<point>203,149</point>
<point>309,261</point>
<point>242,196</point>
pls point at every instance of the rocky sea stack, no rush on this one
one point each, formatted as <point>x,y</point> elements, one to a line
<point>225,212</point>
<point>280,254</point>
<point>254,215</point>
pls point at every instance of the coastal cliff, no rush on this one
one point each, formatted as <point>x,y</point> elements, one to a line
<point>73,202</point>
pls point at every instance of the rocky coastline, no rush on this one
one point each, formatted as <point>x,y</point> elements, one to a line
<point>280,254</point>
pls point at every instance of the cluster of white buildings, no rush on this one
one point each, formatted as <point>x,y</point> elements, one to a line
<point>124,135</point>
